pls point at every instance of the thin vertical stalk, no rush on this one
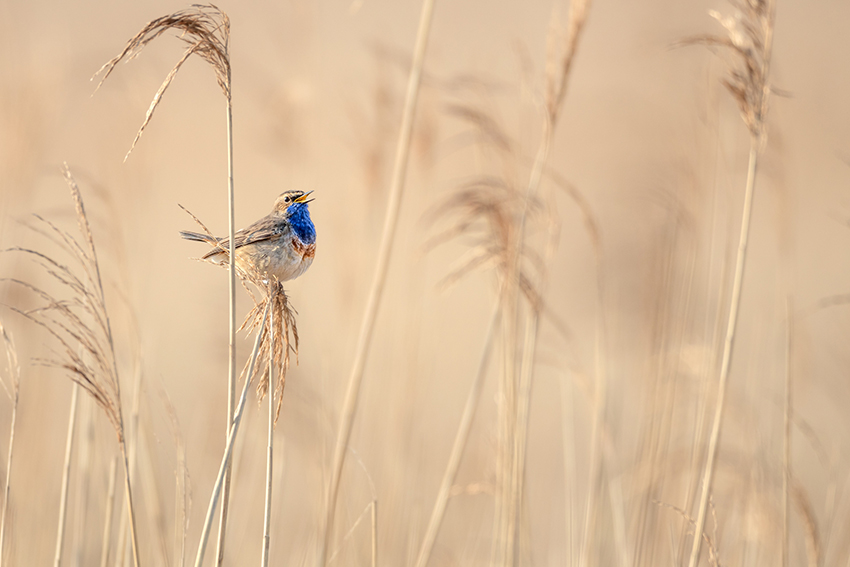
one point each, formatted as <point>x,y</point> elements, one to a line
<point>66,474</point>
<point>600,399</point>
<point>110,505</point>
<point>231,439</point>
<point>83,480</point>
<point>267,515</point>
<point>757,128</point>
<point>6,489</point>
<point>130,509</point>
<point>387,238</point>
<point>231,377</point>
<point>462,435</point>
<point>520,443</point>
<point>728,345</point>
<point>375,533</point>
<point>786,438</point>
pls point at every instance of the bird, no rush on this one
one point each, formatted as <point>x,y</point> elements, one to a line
<point>280,245</point>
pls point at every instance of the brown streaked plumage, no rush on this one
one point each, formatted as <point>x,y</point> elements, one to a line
<point>281,245</point>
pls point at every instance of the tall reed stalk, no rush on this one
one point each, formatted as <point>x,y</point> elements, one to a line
<point>517,380</point>
<point>231,438</point>
<point>352,393</point>
<point>66,476</point>
<point>461,437</point>
<point>206,31</point>
<point>81,324</point>
<point>750,39</point>
<point>267,513</point>
<point>13,391</point>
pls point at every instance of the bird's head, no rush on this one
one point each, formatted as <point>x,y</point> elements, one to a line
<point>286,203</point>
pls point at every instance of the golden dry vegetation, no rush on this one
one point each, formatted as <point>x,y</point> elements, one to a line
<point>546,357</point>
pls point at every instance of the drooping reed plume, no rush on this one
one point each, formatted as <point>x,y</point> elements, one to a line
<point>81,326</point>
<point>205,29</point>
<point>498,215</point>
<point>748,44</point>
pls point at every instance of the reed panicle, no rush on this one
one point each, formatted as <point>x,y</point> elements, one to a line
<point>749,40</point>
<point>80,324</point>
<point>205,29</point>
<point>276,345</point>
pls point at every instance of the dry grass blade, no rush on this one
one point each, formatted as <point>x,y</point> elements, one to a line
<point>206,31</point>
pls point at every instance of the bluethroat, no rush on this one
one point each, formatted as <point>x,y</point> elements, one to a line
<point>280,245</point>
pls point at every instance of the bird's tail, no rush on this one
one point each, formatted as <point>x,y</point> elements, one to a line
<point>198,237</point>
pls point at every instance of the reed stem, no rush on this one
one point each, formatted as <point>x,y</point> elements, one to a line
<point>267,515</point>
<point>462,435</point>
<point>110,505</point>
<point>231,378</point>
<point>66,475</point>
<point>231,439</point>
<point>388,236</point>
<point>729,343</point>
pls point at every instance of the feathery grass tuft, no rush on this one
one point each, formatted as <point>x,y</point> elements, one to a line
<point>206,31</point>
<point>80,324</point>
<point>283,335</point>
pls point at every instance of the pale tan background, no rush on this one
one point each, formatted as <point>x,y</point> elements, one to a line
<point>648,137</point>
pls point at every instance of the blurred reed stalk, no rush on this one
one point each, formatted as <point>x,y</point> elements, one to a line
<point>349,408</point>
<point>206,31</point>
<point>750,39</point>
<point>786,428</point>
<point>110,506</point>
<point>13,391</point>
<point>458,447</point>
<point>516,388</point>
<point>66,475</point>
<point>82,327</point>
<point>267,513</point>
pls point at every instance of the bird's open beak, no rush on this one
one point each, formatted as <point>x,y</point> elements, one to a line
<point>303,198</point>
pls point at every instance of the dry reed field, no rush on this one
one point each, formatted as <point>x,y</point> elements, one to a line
<point>579,296</point>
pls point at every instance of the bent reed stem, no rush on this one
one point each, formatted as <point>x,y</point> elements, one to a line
<point>228,450</point>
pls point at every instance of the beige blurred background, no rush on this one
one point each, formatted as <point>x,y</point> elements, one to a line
<point>648,137</point>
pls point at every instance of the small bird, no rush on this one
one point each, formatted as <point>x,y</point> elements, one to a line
<point>281,245</point>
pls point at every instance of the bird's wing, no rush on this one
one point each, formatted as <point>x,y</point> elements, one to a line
<point>267,228</point>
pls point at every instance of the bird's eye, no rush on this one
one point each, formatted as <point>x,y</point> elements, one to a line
<point>286,199</point>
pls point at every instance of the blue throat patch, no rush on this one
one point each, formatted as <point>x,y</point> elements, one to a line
<point>302,226</point>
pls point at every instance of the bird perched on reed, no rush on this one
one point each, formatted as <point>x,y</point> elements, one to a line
<point>281,245</point>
